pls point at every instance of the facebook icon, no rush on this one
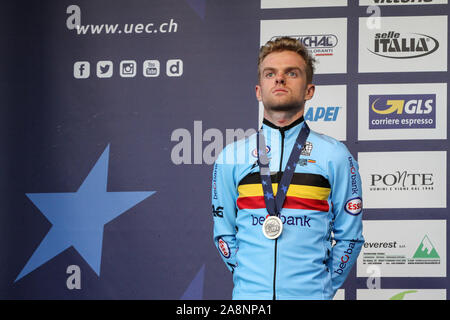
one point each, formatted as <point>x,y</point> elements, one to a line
<point>81,70</point>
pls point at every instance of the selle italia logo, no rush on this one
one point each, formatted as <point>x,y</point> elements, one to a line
<point>426,250</point>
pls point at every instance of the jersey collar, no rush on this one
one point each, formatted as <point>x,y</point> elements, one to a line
<point>285,128</point>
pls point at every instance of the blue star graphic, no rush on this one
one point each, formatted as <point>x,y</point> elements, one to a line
<point>199,7</point>
<point>299,146</point>
<point>284,188</point>
<point>78,218</point>
<point>268,195</point>
<point>264,182</point>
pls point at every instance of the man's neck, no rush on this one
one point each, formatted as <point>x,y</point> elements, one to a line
<point>282,119</point>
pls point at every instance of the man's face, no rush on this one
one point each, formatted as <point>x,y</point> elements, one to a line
<point>282,83</point>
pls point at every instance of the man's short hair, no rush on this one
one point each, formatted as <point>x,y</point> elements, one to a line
<point>288,44</point>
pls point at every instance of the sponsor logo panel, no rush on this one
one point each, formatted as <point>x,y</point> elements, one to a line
<point>404,248</point>
<point>340,295</point>
<point>399,3</point>
<point>402,111</point>
<point>396,111</point>
<point>273,4</point>
<point>326,112</point>
<point>326,39</point>
<point>403,179</point>
<point>403,44</point>
<point>401,294</point>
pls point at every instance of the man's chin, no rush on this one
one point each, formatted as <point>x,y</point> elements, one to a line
<point>284,107</point>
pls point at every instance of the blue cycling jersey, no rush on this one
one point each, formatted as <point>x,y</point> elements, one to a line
<point>321,216</point>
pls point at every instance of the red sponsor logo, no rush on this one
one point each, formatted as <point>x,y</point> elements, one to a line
<point>224,248</point>
<point>354,206</point>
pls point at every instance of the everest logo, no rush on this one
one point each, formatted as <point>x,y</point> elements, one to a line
<point>426,250</point>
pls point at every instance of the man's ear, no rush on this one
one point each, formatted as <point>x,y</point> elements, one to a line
<point>309,93</point>
<point>258,92</point>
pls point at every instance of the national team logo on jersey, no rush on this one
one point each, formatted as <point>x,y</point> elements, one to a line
<point>255,151</point>
<point>307,148</point>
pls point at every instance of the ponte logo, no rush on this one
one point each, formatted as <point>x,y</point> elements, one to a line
<point>405,179</point>
<point>402,111</point>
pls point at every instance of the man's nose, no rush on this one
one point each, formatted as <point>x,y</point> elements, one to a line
<point>279,79</point>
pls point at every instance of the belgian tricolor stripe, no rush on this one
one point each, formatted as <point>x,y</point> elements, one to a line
<point>307,191</point>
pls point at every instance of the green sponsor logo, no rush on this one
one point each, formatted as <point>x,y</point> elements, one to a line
<point>426,250</point>
<point>401,295</point>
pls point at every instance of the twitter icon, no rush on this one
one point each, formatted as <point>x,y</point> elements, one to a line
<point>104,69</point>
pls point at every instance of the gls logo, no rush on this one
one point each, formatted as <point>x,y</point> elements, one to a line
<point>410,104</point>
<point>403,46</point>
<point>402,111</point>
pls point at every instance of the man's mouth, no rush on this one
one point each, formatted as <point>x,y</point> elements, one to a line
<point>279,90</point>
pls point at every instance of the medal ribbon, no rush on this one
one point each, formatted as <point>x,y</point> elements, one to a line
<point>274,204</point>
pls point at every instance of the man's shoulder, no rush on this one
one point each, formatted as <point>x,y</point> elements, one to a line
<point>328,145</point>
<point>236,151</point>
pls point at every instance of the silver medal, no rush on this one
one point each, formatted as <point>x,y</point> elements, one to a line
<point>272,227</point>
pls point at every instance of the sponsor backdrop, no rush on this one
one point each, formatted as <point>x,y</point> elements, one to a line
<point>114,111</point>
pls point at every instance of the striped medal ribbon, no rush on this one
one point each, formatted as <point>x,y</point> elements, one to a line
<point>273,225</point>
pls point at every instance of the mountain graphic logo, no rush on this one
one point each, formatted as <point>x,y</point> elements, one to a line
<point>426,250</point>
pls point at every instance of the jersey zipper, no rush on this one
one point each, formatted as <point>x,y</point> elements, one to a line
<point>279,174</point>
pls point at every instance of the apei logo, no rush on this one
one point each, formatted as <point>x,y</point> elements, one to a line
<point>327,114</point>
